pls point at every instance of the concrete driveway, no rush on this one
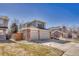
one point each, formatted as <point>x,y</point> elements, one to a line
<point>60,44</point>
<point>73,51</point>
<point>70,48</point>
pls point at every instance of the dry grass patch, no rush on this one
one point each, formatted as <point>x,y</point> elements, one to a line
<point>29,50</point>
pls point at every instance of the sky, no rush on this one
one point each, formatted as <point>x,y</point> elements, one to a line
<point>53,14</point>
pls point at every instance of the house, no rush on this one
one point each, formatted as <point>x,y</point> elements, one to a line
<point>3,26</point>
<point>34,30</point>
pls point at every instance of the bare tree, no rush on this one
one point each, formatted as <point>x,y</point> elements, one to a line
<point>14,27</point>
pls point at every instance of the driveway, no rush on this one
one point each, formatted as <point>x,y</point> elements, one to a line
<point>70,48</point>
<point>60,44</point>
<point>74,51</point>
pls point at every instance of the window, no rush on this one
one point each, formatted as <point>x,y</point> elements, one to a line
<point>41,26</point>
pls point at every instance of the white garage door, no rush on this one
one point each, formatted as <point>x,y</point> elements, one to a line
<point>34,35</point>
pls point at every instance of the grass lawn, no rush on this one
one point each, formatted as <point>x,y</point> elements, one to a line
<point>15,49</point>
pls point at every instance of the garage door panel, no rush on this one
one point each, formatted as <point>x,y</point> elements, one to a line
<point>34,35</point>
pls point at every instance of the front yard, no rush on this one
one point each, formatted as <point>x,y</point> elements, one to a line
<point>17,49</point>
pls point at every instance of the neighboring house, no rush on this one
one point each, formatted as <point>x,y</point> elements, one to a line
<point>63,33</point>
<point>58,32</point>
<point>3,26</point>
<point>55,32</point>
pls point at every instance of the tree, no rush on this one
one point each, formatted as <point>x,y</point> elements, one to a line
<point>14,27</point>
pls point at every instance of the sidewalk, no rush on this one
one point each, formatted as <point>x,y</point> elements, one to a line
<point>74,51</point>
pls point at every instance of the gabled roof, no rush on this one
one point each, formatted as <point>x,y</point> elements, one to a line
<point>59,31</point>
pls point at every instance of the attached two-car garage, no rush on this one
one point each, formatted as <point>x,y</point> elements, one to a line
<point>32,33</point>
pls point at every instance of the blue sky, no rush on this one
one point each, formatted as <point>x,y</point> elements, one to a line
<point>53,14</point>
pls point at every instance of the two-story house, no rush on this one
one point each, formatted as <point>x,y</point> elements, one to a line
<point>34,30</point>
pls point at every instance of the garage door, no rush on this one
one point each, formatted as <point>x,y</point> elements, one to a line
<point>34,35</point>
